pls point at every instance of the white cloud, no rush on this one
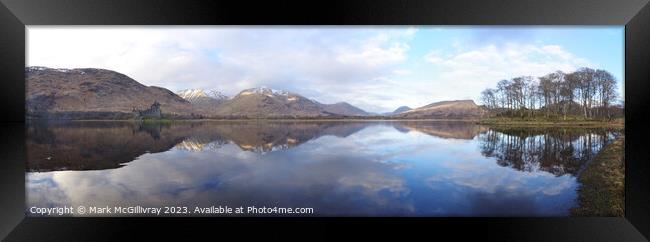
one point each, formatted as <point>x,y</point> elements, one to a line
<point>374,54</point>
<point>402,72</point>
<point>368,67</point>
<point>434,57</point>
<point>471,71</point>
<point>240,176</point>
<point>316,62</point>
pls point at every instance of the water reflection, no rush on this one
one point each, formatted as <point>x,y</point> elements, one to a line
<point>338,168</point>
<point>105,145</point>
<point>452,130</point>
<point>558,151</point>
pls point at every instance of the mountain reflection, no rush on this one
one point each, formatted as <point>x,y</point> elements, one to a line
<point>106,145</point>
<point>93,145</point>
<point>349,168</point>
<point>452,130</point>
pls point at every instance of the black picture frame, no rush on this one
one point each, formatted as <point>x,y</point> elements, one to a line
<point>15,14</point>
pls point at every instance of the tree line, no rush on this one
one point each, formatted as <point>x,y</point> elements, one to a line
<point>586,92</point>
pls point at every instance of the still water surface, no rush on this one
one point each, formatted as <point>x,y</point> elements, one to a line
<point>414,168</point>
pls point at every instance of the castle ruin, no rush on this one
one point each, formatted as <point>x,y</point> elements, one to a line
<point>152,112</point>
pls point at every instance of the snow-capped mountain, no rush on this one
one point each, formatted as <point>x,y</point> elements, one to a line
<point>217,95</point>
<point>42,68</point>
<point>191,93</point>
<point>204,101</point>
<point>194,94</point>
<point>264,91</point>
<point>97,94</point>
<point>268,102</point>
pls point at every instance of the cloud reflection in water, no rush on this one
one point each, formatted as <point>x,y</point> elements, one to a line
<point>348,168</point>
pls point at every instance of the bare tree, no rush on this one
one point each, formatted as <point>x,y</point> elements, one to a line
<point>586,90</point>
<point>607,89</point>
<point>548,91</point>
<point>530,92</point>
<point>517,86</point>
<point>488,97</point>
<point>503,93</point>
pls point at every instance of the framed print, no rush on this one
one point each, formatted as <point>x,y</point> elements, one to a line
<point>499,118</point>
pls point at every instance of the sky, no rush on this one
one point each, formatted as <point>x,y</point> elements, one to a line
<point>376,68</point>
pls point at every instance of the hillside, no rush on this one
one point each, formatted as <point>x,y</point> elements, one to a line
<point>266,102</point>
<point>459,109</point>
<point>344,108</point>
<point>398,110</point>
<point>90,93</point>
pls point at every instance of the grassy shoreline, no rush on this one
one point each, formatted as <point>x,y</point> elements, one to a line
<point>489,122</point>
<point>602,192</point>
<point>563,123</point>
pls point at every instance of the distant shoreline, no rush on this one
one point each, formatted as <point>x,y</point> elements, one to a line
<point>260,119</point>
<point>487,122</point>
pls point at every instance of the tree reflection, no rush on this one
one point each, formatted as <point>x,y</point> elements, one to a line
<point>556,150</point>
<point>107,145</point>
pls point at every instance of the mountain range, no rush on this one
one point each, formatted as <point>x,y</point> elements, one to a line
<point>264,102</point>
<point>202,101</point>
<point>458,109</point>
<point>201,96</point>
<point>344,108</point>
<point>90,93</point>
<point>398,110</point>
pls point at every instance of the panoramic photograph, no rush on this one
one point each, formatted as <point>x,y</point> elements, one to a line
<point>325,121</point>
